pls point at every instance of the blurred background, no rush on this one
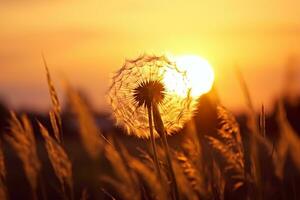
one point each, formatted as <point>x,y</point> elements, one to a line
<point>86,41</point>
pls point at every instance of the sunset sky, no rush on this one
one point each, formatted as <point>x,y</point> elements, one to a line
<point>86,41</point>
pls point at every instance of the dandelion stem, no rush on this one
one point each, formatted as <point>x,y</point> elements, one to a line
<point>153,143</point>
<point>159,126</point>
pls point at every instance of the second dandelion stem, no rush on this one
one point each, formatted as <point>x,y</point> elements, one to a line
<point>156,162</point>
<point>159,127</point>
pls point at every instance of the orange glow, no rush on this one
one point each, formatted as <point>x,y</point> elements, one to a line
<point>87,41</point>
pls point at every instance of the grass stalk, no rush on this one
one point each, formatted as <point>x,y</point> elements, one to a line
<point>159,126</point>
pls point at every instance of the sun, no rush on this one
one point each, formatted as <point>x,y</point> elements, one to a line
<point>199,76</point>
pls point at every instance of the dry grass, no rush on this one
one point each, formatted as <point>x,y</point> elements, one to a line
<point>90,134</point>
<point>229,149</point>
<point>230,164</point>
<point>56,108</point>
<point>124,182</point>
<point>60,162</point>
<point>288,144</point>
<point>21,139</point>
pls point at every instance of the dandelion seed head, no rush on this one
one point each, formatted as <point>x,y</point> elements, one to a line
<point>142,81</point>
<point>148,92</point>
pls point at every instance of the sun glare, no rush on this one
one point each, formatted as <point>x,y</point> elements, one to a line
<point>199,76</point>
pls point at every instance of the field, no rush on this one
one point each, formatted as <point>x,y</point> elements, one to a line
<point>212,156</point>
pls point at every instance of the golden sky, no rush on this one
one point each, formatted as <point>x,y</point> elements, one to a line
<point>87,40</point>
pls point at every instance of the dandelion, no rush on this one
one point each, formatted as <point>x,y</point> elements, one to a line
<point>146,81</point>
<point>147,91</point>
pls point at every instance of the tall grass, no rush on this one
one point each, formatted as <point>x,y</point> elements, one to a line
<point>220,161</point>
<point>21,139</point>
<point>60,162</point>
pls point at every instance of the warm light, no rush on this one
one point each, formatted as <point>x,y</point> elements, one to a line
<point>199,75</point>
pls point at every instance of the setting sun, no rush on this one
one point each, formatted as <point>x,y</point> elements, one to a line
<point>199,76</point>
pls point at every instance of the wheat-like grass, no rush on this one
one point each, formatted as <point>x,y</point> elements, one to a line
<point>59,160</point>
<point>229,148</point>
<point>133,175</point>
<point>191,173</point>
<point>150,178</point>
<point>52,90</point>
<point>231,161</point>
<point>125,182</point>
<point>54,114</point>
<point>90,134</point>
<point>21,139</point>
<point>230,133</point>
